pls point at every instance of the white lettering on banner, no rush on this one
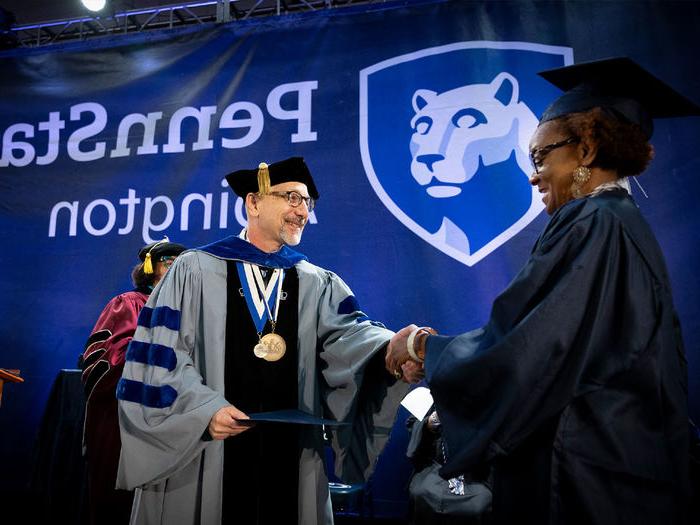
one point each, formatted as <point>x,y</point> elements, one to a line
<point>72,208</point>
<point>54,126</point>
<point>254,123</point>
<point>158,214</point>
<point>167,221</point>
<point>240,216</point>
<point>130,202</point>
<point>9,145</point>
<point>79,135</point>
<point>223,211</point>
<point>302,113</point>
<point>203,116</point>
<point>90,141</point>
<point>148,145</point>
<point>185,210</point>
<point>111,217</point>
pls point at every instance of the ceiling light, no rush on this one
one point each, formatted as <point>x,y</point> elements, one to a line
<point>94,5</point>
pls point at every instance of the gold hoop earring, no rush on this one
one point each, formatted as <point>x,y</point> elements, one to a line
<point>581,175</point>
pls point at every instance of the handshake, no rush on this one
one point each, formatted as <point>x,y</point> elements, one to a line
<point>406,352</point>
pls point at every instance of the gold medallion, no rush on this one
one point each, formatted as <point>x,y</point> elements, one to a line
<point>260,350</point>
<point>275,345</point>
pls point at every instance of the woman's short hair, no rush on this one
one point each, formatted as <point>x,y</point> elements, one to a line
<point>141,279</point>
<point>622,146</point>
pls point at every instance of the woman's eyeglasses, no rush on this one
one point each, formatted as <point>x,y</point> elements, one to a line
<point>537,155</point>
<point>167,260</point>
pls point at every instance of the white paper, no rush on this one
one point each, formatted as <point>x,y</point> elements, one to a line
<point>418,401</point>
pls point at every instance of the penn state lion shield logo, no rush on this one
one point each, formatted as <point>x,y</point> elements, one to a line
<point>444,136</point>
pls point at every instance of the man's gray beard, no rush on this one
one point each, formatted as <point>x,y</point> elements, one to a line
<point>291,240</point>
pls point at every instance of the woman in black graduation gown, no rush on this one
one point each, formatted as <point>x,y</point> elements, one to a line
<point>575,392</point>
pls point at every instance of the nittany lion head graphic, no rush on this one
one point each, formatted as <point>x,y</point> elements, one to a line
<point>444,135</point>
<point>458,132</point>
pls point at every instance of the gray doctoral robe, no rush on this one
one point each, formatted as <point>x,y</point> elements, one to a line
<point>173,383</point>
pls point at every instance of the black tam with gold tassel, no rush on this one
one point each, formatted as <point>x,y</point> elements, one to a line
<point>259,180</point>
<point>151,253</point>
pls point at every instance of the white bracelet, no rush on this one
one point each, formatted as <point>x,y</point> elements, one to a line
<point>409,344</point>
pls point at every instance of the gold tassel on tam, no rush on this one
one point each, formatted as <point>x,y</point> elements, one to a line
<point>263,179</point>
<point>147,262</point>
<point>148,265</point>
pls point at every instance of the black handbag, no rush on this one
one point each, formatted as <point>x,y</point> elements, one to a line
<point>431,494</point>
<point>428,488</point>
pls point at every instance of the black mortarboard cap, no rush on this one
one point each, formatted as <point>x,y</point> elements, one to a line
<point>621,87</point>
<point>294,169</point>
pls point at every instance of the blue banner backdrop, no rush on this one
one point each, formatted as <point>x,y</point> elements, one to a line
<point>414,118</point>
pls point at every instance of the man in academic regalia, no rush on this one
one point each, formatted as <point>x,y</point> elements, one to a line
<point>247,325</point>
<point>102,363</point>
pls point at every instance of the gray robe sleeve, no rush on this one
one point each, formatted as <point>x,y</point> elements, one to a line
<point>164,407</point>
<point>357,389</point>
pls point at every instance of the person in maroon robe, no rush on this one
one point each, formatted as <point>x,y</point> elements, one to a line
<point>102,362</point>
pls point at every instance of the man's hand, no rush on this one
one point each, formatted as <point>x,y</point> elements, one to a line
<point>224,423</point>
<point>397,351</point>
<point>412,372</point>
